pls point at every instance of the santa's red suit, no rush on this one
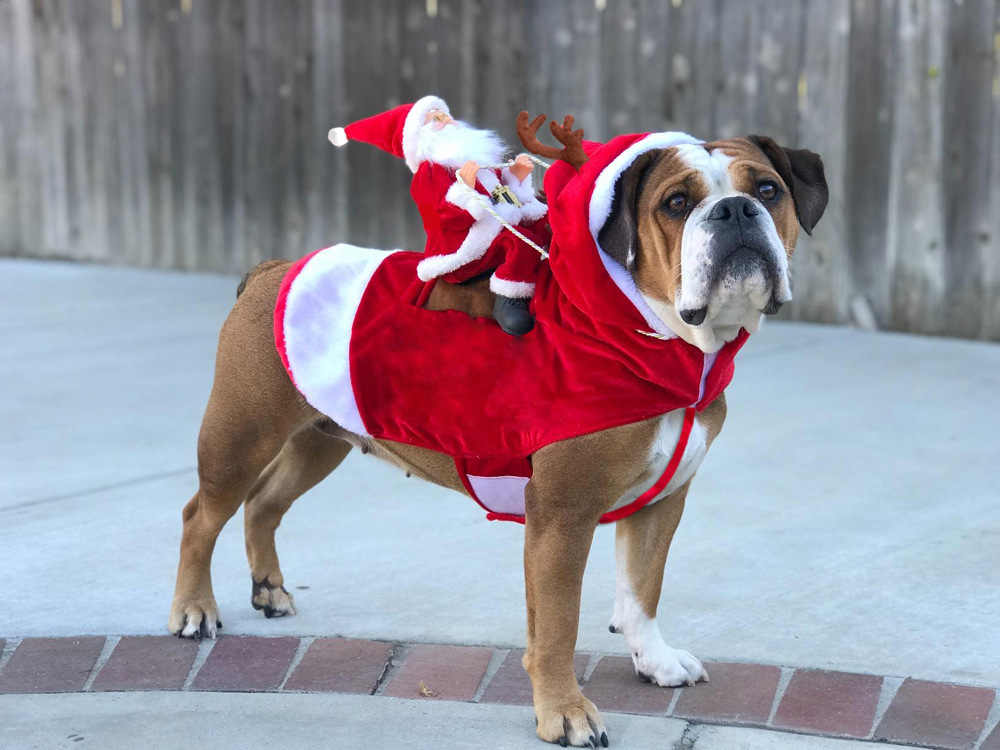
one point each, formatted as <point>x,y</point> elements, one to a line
<point>356,342</point>
<point>464,239</point>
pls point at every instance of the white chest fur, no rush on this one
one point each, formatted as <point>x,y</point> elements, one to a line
<point>662,450</point>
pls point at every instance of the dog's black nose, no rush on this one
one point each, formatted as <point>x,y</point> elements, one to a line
<point>730,209</point>
<point>694,317</point>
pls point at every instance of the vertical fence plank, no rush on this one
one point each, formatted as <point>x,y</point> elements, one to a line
<point>820,270</point>
<point>330,219</point>
<point>10,134</point>
<point>990,328</point>
<point>968,74</point>
<point>915,215</point>
<point>869,129</point>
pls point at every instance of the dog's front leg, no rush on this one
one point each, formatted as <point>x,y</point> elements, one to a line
<point>642,541</point>
<point>555,554</point>
<point>561,514</point>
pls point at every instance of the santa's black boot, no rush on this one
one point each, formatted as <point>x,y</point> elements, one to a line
<point>512,315</point>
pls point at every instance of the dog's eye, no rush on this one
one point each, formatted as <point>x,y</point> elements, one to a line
<point>767,190</point>
<point>677,203</point>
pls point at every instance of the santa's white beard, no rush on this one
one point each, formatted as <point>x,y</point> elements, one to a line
<point>457,143</point>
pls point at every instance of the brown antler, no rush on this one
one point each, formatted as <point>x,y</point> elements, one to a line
<point>572,151</point>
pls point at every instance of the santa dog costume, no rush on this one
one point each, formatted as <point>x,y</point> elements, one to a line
<point>353,335</point>
<point>464,239</point>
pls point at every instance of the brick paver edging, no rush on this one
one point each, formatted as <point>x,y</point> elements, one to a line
<point>835,704</point>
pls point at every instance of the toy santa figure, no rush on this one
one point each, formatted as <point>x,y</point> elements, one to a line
<point>460,189</point>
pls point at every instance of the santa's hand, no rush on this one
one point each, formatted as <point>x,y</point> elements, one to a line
<point>468,173</point>
<point>521,167</point>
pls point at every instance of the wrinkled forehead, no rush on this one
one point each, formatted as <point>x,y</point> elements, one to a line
<point>724,166</point>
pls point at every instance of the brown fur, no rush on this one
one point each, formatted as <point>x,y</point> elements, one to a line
<point>262,444</point>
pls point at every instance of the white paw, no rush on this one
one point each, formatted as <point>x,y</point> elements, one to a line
<point>667,667</point>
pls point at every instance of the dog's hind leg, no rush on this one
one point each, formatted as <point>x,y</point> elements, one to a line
<point>308,456</point>
<point>251,412</point>
<point>642,542</point>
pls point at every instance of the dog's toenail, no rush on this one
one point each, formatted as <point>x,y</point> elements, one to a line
<point>604,739</point>
<point>563,742</point>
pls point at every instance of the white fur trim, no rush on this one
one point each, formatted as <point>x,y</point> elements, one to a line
<point>412,124</point>
<point>513,289</point>
<point>600,208</point>
<point>337,136</point>
<point>319,315</point>
<point>474,246</point>
<point>525,191</point>
<point>500,494</point>
<point>533,210</point>
<point>459,194</point>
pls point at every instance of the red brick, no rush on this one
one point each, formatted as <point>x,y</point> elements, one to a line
<point>246,664</point>
<point>614,686</point>
<point>340,665</point>
<point>829,703</point>
<point>50,665</point>
<point>510,685</point>
<point>149,662</point>
<point>933,713</point>
<point>449,672</point>
<point>993,741</point>
<point>737,693</point>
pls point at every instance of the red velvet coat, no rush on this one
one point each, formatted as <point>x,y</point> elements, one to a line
<point>357,343</point>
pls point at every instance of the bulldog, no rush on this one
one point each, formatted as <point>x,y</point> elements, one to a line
<point>681,243</point>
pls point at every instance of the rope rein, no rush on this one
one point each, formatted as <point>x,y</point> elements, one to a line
<point>513,230</point>
<point>489,208</point>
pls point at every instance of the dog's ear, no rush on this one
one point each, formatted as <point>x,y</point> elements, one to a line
<point>619,237</point>
<point>802,171</point>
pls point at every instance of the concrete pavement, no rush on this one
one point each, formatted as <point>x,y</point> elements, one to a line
<point>847,517</point>
<point>235,721</point>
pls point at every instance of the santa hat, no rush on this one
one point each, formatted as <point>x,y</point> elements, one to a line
<point>580,202</point>
<point>396,131</point>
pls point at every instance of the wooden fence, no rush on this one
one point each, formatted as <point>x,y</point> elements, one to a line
<point>192,133</point>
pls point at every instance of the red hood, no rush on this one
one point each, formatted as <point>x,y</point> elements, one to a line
<point>579,204</point>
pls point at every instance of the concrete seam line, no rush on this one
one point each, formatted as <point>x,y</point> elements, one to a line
<point>8,650</point>
<point>399,652</point>
<point>890,686</point>
<point>992,720</point>
<point>688,738</point>
<point>300,652</point>
<point>591,666</point>
<point>95,490</point>
<point>673,700</point>
<point>786,677</point>
<point>496,659</point>
<point>205,647</point>
<point>109,645</point>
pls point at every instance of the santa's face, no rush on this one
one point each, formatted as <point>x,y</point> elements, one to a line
<point>449,142</point>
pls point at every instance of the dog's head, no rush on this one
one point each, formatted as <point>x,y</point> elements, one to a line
<point>707,230</point>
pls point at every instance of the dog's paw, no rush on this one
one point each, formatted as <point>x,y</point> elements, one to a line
<point>195,620</point>
<point>575,722</point>
<point>668,667</point>
<point>275,601</point>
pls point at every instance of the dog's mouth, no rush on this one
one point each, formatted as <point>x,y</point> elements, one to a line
<point>742,271</point>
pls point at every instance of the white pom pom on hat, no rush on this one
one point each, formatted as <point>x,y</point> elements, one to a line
<point>337,136</point>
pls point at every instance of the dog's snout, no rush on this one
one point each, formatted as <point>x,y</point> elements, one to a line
<point>730,209</point>
<point>694,317</point>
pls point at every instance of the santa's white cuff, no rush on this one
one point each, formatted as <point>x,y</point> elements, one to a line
<point>461,195</point>
<point>524,190</point>
<point>513,289</point>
